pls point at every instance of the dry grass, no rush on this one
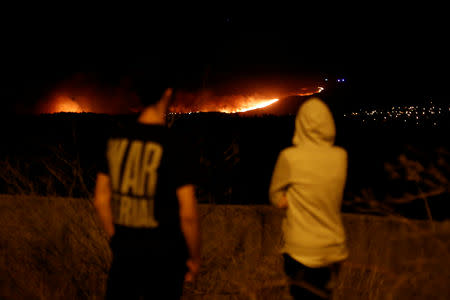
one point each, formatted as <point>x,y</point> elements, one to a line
<point>53,248</point>
<point>239,260</point>
<point>390,258</point>
<point>395,258</point>
<point>57,173</point>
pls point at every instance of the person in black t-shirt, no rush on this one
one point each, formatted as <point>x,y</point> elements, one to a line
<point>145,198</point>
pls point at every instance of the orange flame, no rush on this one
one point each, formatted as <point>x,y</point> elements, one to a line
<point>251,105</point>
<point>305,92</point>
<point>65,104</point>
<point>207,101</point>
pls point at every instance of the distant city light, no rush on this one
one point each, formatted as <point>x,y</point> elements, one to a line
<point>418,115</point>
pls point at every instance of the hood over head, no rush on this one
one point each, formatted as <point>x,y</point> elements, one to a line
<point>314,124</point>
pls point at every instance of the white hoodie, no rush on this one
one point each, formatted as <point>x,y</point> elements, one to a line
<point>312,174</point>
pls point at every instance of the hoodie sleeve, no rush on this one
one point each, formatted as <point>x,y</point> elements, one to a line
<point>280,179</point>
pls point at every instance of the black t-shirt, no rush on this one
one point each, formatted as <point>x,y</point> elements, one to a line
<point>146,164</point>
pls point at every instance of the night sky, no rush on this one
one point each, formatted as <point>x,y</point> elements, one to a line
<point>387,54</point>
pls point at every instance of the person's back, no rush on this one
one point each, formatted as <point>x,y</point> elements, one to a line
<point>309,180</point>
<point>145,198</point>
<point>143,160</point>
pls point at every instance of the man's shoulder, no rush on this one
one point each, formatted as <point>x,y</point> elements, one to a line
<point>143,132</point>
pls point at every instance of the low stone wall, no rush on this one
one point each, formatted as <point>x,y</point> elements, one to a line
<point>390,258</point>
<point>54,247</point>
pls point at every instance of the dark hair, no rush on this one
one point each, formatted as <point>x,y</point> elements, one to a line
<point>150,78</point>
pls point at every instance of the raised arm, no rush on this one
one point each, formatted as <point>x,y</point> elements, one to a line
<point>190,226</point>
<point>102,202</point>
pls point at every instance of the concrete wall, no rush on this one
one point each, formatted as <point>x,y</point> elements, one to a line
<point>53,247</point>
<point>389,257</point>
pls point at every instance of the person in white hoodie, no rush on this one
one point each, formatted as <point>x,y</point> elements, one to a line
<point>308,181</point>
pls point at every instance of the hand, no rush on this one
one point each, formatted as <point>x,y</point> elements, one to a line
<point>193,268</point>
<point>283,202</point>
<point>110,231</point>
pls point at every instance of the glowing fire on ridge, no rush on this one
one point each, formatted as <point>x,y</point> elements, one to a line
<point>65,104</point>
<point>63,101</point>
<point>263,103</point>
